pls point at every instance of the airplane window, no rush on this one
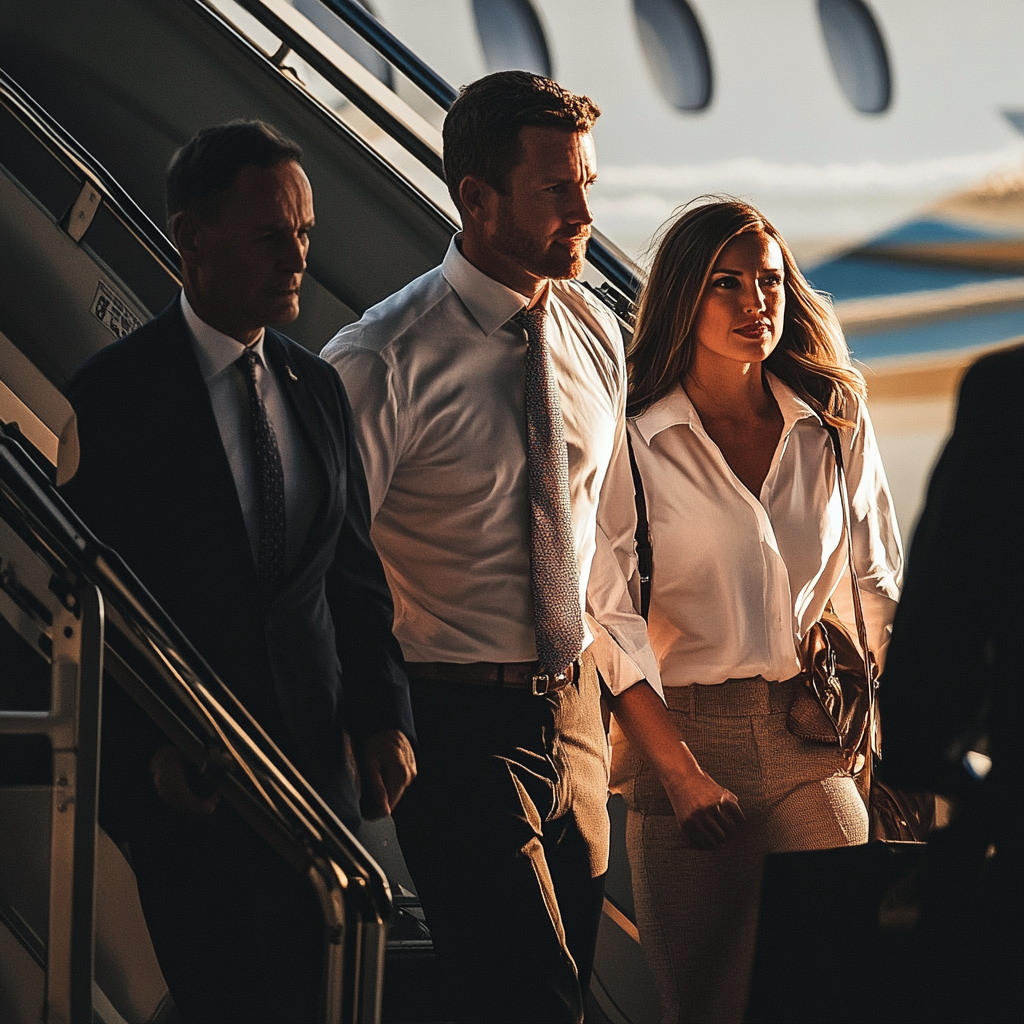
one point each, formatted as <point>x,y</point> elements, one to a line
<point>331,25</point>
<point>675,52</point>
<point>858,53</point>
<point>511,36</point>
<point>1016,118</point>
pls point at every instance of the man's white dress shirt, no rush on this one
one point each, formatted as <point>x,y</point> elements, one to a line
<point>436,377</point>
<point>739,578</point>
<point>217,354</point>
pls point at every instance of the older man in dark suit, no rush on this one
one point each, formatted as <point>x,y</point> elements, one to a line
<point>218,459</point>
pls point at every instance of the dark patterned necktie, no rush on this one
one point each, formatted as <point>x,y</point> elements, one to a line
<point>554,575</point>
<point>270,508</point>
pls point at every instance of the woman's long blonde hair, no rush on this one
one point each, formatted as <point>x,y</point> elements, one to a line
<point>812,356</point>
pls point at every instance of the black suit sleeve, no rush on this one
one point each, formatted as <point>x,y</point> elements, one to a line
<point>100,494</point>
<point>94,490</point>
<point>954,667</point>
<point>375,685</point>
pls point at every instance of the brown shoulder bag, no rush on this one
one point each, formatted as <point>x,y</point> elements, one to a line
<point>839,703</point>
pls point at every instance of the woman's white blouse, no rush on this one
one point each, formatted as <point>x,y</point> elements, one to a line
<point>738,580</point>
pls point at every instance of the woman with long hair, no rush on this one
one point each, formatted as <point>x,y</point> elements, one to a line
<point>736,365</point>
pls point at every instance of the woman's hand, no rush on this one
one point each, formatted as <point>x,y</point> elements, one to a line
<point>707,813</point>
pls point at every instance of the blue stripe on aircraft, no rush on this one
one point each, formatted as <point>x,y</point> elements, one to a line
<point>966,332</point>
<point>936,231</point>
<point>851,277</point>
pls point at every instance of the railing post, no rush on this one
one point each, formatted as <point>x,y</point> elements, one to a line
<point>73,725</point>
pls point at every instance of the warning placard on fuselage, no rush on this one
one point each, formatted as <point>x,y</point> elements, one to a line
<point>112,311</point>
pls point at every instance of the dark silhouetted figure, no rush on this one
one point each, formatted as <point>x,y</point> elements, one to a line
<point>953,685</point>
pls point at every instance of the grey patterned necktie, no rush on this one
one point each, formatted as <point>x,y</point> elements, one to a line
<point>270,507</point>
<point>554,575</point>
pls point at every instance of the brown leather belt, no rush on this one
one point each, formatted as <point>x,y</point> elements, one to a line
<point>514,675</point>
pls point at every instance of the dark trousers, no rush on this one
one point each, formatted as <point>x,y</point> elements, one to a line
<point>237,931</point>
<point>505,833</point>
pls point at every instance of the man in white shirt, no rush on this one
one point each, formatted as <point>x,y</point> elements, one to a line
<point>489,397</point>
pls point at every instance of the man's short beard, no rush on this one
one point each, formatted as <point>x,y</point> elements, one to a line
<point>557,262</point>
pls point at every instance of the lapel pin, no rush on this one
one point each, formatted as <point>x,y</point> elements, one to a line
<point>290,373</point>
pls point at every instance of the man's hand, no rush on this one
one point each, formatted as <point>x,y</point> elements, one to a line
<point>386,768</point>
<point>168,768</point>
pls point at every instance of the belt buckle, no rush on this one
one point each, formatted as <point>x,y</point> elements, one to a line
<point>546,682</point>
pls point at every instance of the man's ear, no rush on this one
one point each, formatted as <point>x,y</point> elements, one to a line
<point>186,228</point>
<point>479,200</point>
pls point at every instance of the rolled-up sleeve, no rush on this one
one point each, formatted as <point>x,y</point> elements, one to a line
<point>621,646</point>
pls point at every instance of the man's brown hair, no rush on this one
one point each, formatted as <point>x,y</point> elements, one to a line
<point>482,129</point>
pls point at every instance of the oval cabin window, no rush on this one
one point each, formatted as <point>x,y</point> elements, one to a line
<point>675,52</point>
<point>511,36</point>
<point>858,55</point>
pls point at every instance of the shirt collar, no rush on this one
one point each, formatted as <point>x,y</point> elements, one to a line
<point>672,410</point>
<point>791,405</point>
<point>490,303</point>
<point>676,409</point>
<point>216,351</point>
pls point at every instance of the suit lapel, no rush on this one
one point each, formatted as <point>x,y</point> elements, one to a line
<point>302,398</point>
<point>307,408</point>
<point>305,405</point>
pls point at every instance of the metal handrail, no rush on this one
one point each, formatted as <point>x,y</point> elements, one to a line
<point>154,661</point>
<point>361,94</point>
<point>392,49</point>
<point>156,664</point>
<point>66,148</point>
<point>63,540</point>
<point>72,722</point>
<point>601,252</point>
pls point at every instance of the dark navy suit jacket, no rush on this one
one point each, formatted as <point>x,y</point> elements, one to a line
<point>317,655</point>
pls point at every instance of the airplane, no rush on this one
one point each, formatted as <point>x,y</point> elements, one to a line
<point>879,135</point>
<point>94,98</point>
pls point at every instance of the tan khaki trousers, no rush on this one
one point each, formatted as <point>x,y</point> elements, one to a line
<point>696,909</point>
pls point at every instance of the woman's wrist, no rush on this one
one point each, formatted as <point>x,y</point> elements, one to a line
<point>678,764</point>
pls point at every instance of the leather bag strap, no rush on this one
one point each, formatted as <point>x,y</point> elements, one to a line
<point>644,551</point>
<point>858,608</point>
<point>645,562</point>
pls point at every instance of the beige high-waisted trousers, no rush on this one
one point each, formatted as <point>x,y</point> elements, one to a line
<point>696,909</point>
